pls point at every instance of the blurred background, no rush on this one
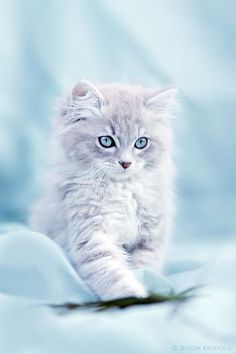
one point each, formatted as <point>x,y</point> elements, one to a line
<point>46,45</point>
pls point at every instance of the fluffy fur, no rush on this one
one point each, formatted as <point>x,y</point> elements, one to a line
<point>110,220</point>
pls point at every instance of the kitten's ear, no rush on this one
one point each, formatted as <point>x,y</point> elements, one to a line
<point>163,101</point>
<point>83,102</point>
<point>84,90</point>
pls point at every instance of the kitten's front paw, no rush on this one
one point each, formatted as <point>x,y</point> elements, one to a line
<point>139,292</point>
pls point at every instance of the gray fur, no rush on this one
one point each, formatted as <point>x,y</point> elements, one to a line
<point>109,219</point>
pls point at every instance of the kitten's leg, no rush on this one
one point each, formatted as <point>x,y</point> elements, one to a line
<point>151,250</point>
<point>99,262</point>
<point>151,256</point>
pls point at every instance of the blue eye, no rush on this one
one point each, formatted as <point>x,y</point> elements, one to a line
<point>140,143</point>
<point>106,141</point>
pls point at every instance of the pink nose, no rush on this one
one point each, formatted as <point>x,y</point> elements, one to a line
<point>125,164</point>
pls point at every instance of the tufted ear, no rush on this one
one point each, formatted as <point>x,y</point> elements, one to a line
<point>85,90</point>
<point>162,101</point>
<point>84,101</point>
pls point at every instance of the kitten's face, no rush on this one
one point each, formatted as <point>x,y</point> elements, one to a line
<point>120,154</point>
<point>115,132</point>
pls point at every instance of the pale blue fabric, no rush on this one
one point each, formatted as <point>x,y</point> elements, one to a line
<point>35,274</point>
<point>44,47</point>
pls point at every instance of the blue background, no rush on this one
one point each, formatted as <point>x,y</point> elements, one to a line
<point>47,45</point>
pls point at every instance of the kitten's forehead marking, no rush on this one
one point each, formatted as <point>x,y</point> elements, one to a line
<point>138,132</point>
<point>109,129</point>
<point>113,129</point>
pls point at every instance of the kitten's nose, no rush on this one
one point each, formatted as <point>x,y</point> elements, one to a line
<point>125,164</point>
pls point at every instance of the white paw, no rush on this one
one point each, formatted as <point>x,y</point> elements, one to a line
<point>138,291</point>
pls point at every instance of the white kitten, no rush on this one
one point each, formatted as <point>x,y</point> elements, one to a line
<point>109,195</point>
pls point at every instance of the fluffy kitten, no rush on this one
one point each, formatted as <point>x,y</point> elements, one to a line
<point>108,201</point>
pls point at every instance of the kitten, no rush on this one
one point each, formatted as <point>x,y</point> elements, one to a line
<point>108,201</point>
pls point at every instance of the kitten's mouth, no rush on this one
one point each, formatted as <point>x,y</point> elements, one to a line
<point>122,174</point>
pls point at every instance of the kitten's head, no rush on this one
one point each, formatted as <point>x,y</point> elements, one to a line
<point>117,129</point>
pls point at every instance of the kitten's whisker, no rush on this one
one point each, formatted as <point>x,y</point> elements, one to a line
<point>102,174</point>
<point>87,181</point>
<point>104,184</point>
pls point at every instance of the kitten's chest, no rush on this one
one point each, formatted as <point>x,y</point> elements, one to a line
<point>122,210</point>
